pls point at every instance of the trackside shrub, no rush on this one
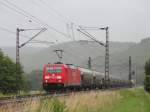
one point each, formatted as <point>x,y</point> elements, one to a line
<point>52,105</point>
<point>8,76</point>
<point>147,76</point>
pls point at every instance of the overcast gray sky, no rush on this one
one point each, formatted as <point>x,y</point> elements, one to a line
<point>129,20</point>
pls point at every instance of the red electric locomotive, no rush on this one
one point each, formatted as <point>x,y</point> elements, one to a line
<point>60,76</point>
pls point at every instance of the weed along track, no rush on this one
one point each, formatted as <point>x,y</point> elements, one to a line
<point>23,103</point>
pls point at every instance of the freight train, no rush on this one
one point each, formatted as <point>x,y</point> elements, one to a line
<point>61,76</point>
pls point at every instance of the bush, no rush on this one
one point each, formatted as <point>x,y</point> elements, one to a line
<point>52,105</point>
<point>8,76</point>
<point>58,106</point>
<point>147,76</point>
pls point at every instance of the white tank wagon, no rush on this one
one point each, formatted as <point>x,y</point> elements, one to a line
<point>117,82</point>
<point>92,79</point>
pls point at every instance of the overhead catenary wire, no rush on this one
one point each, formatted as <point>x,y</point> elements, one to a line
<point>40,21</point>
<point>49,10</point>
<point>67,20</point>
<point>13,9</point>
<point>18,11</point>
<point>61,16</point>
<point>56,12</point>
<point>25,13</point>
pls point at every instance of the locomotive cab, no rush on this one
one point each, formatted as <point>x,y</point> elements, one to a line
<point>60,76</point>
<point>53,78</point>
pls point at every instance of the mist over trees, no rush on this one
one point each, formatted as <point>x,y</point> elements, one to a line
<point>8,82</point>
<point>35,79</point>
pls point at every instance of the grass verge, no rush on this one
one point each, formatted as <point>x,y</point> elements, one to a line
<point>126,100</point>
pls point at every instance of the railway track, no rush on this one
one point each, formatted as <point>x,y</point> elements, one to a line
<point>12,99</point>
<point>22,98</point>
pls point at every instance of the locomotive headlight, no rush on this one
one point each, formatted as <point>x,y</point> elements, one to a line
<point>46,77</point>
<point>59,80</point>
<point>59,77</point>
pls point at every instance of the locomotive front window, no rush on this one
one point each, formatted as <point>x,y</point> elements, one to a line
<point>54,69</point>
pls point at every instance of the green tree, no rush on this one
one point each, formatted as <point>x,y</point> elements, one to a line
<point>8,76</point>
<point>147,76</point>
